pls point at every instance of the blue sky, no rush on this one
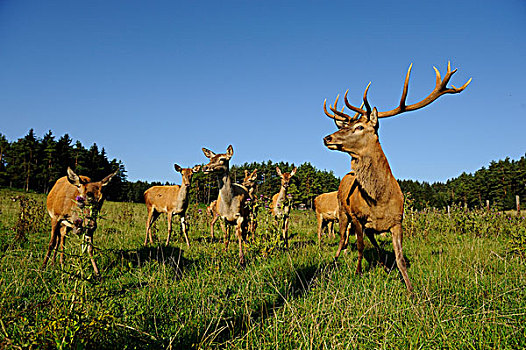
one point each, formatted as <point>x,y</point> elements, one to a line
<point>155,81</point>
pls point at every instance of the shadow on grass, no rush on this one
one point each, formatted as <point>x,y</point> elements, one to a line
<point>164,255</point>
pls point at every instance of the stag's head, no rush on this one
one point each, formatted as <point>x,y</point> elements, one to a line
<point>285,177</point>
<point>360,130</point>
<point>187,173</point>
<point>219,163</point>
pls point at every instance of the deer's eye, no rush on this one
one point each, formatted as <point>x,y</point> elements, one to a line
<point>359,127</point>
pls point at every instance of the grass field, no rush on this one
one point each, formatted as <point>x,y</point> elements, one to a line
<point>468,270</point>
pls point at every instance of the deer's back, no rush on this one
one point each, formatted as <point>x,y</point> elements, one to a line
<point>162,198</point>
<point>62,198</point>
<point>326,205</point>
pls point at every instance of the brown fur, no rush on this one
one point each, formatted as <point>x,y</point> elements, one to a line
<point>231,200</point>
<point>327,209</point>
<point>280,211</point>
<point>172,200</point>
<point>67,215</point>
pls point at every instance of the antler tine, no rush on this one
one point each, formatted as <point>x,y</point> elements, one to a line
<point>358,111</point>
<point>335,116</point>
<point>337,112</point>
<point>406,86</point>
<point>439,90</point>
<point>365,99</point>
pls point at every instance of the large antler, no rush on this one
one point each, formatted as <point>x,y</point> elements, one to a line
<point>339,115</point>
<point>440,89</point>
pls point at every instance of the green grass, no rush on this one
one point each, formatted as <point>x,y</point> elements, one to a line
<point>467,270</point>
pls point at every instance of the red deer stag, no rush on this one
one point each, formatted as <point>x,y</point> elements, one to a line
<point>249,183</point>
<point>327,210</point>
<point>74,203</point>
<point>172,200</point>
<point>281,210</point>
<point>370,197</point>
<point>230,205</point>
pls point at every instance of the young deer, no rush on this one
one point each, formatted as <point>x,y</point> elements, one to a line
<point>370,198</point>
<point>280,210</point>
<point>74,203</point>
<point>249,183</point>
<point>230,205</point>
<point>327,210</point>
<point>172,200</point>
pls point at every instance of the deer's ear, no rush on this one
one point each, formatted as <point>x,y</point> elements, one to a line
<point>278,170</point>
<point>196,168</point>
<point>177,168</point>
<point>108,178</point>
<point>293,171</point>
<point>208,153</point>
<point>373,117</point>
<point>73,178</point>
<point>230,151</point>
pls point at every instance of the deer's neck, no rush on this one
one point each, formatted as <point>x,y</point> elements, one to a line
<point>374,174</point>
<point>182,196</point>
<point>225,188</point>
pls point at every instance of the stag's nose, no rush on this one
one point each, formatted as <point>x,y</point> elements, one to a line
<point>327,140</point>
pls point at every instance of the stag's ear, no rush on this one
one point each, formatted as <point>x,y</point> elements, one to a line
<point>196,168</point>
<point>230,151</point>
<point>208,153</point>
<point>293,171</point>
<point>73,178</point>
<point>108,178</point>
<point>340,124</point>
<point>373,117</point>
<point>177,168</point>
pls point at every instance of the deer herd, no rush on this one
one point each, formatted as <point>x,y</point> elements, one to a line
<point>368,201</point>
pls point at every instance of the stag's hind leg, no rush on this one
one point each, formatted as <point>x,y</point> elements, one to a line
<point>400,261</point>
<point>379,250</point>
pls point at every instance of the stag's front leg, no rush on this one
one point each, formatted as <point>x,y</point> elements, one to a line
<point>400,261</point>
<point>344,223</point>
<point>184,227</point>
<point>358,229</point>
<point>89,241</point>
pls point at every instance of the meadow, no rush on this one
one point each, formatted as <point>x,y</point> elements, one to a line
<point>468,270</point>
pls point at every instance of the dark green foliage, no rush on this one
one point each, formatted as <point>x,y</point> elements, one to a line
<point>499,183</point>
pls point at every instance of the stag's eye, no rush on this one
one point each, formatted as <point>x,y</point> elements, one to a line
<point>359,127</point>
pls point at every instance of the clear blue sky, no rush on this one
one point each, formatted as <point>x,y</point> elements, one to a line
<point>154,81</point>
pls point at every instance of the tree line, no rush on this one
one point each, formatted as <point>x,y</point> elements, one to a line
<point>34,164</point>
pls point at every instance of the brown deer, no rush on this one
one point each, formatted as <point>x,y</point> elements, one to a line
<point>172,200</point>
<point>280,209</point>
<point>230,205</point>
<point>370,198</point>
<point>74,203</point>
<point>327,210</point>
<point>249,183</point>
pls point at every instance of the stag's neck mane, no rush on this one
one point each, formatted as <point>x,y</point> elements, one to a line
<point>374,175</point>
